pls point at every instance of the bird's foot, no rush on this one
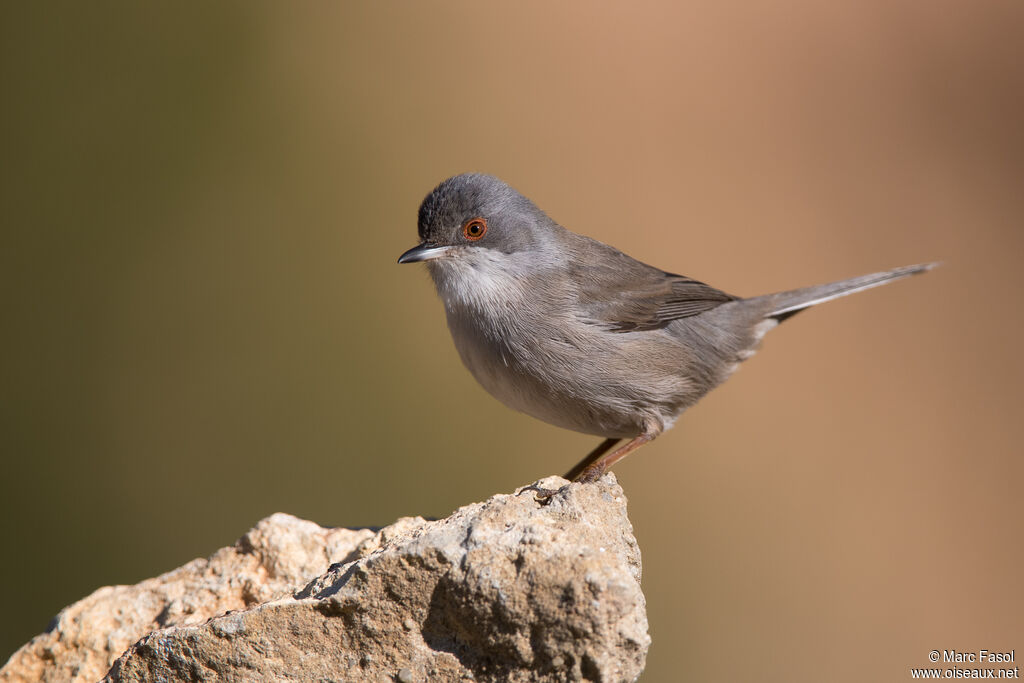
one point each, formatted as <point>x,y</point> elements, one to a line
<point>591,473</point>
<point>542,495</point>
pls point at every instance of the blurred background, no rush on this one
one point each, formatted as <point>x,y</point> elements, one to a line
<point>203,320</point>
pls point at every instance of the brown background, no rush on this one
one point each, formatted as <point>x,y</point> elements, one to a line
<point>203,322</point>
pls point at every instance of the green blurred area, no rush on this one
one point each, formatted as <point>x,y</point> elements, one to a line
<point>203,321</point>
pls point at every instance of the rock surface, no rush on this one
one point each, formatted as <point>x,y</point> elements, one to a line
<point>502,590</point>
<point>280,553</point>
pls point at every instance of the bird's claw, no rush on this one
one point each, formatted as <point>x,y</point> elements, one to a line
<point>543,495</point>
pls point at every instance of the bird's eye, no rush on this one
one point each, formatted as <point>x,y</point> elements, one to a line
<point>474,229</point>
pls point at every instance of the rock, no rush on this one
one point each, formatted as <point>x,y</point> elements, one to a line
<point>502,590</point>
<point>278,554</point>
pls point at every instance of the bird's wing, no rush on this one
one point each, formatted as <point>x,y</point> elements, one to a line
<point>625,295</point>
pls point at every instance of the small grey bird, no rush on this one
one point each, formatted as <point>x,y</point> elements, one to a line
<point>578,334</point>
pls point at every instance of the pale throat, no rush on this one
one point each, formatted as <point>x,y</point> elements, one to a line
<point>485,280</point>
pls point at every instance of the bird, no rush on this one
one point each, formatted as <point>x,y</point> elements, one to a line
<point>578,334</point>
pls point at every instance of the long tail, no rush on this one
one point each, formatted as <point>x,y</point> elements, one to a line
<point>785,304</point>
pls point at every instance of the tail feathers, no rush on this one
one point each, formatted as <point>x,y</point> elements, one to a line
<point>785,304</point>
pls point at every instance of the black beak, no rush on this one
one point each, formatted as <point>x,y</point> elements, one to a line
<point>423,252</point>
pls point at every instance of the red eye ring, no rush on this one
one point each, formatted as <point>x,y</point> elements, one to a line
<point>474,229</point>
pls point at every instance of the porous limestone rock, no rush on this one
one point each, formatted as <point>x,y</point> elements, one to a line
<point>278,554</point>
<point>503,590</point>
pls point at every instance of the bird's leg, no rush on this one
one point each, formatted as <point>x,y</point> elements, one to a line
<point>598,461</point>
<point>543,494</point>
<point>595,469</point>
<point>602,448</point>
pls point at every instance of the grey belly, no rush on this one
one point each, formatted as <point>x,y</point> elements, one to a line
<point>580,377</point>
<point>577,408</point>
<point>601,385</point>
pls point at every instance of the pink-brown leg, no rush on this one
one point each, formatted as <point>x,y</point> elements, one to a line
<point>592,467</point>
<point>603,448</point>
<point>544,494</point>
<point>596,469</point>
